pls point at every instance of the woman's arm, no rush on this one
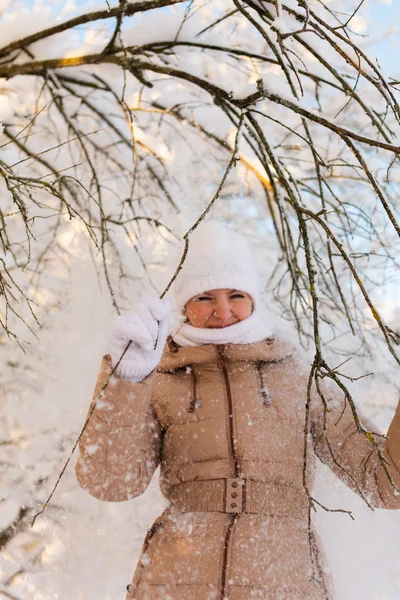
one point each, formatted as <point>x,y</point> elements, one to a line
<point>391,450</point>
<point>353,457</point>
<point>121,444</point>
<point>120,447</point>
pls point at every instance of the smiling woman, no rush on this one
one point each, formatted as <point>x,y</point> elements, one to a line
<point>218,291</point>
<point>228,412</point>
<point>216,309</point>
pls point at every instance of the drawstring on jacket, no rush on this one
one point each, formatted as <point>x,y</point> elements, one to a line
<point>265,398</point>
<point>195,401</point>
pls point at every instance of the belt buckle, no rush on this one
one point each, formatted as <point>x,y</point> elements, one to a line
<point>234,495</point>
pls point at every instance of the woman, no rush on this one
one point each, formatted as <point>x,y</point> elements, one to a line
<point>222,409</point>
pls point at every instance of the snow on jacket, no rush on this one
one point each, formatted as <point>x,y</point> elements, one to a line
<point>226,422</point>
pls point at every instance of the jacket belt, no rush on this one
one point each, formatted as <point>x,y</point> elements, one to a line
<point>239,496</point>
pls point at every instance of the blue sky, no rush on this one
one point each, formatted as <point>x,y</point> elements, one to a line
<point>384,27</point>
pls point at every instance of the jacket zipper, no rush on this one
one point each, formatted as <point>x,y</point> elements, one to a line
<point>233,452</point>
<point>232,445</point>
<point>225,553</point>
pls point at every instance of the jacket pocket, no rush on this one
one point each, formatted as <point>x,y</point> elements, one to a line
<point>133,587</point>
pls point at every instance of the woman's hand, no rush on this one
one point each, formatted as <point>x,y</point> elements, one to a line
<point>147,329</point>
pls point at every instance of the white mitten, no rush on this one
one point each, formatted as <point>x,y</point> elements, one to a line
<point>148,324</point>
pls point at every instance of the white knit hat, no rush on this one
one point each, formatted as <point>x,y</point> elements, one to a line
<point>217,258</point>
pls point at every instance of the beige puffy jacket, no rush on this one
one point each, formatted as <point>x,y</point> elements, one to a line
<point>227,425</point>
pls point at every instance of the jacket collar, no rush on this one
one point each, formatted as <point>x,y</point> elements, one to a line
<point>270,350</point>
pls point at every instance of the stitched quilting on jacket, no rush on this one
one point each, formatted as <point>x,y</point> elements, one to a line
<point>226,424</point>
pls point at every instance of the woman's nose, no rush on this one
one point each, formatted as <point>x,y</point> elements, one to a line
<point>223,310</point>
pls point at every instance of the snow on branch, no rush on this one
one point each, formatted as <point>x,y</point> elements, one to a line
<point>119,131</point>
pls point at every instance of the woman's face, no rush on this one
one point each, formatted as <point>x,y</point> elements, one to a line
<point>215,309</point>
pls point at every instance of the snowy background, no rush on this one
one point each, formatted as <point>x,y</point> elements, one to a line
<point>81,548</point>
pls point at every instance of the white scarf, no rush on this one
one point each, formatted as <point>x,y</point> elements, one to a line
<point>249,331</point>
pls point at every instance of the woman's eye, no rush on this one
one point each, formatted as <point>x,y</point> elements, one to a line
<point>236,296</point>
<point>202,299</point>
